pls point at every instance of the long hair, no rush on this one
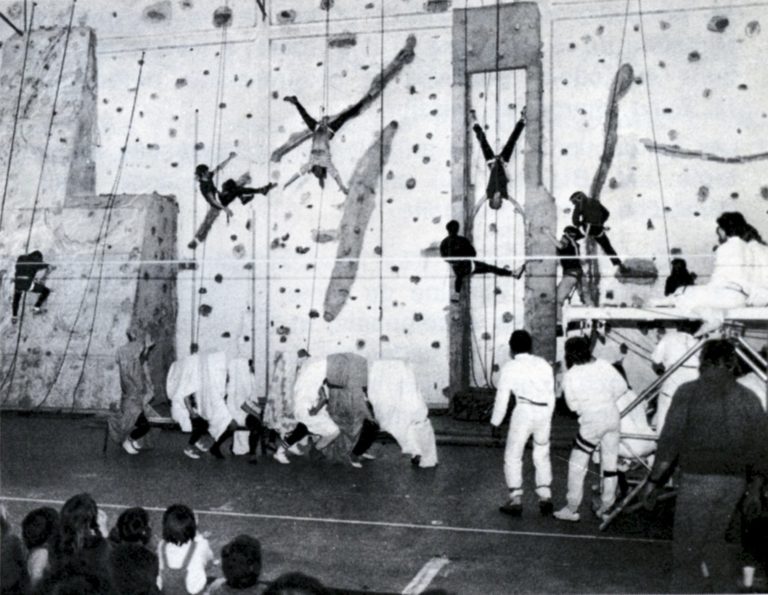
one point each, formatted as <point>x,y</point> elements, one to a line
<point>734,225</point>
<point>77,524</point>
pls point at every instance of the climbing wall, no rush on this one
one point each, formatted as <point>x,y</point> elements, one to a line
<point>101,248</point>
<point>697,89</point>
<point>399,269</point>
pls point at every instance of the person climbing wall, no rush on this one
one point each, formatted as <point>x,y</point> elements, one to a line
<point>27,268</point>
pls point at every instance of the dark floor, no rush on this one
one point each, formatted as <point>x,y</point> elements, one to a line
<point>370,529</point>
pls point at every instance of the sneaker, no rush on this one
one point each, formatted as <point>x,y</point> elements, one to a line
<point>603,511</point>
<point>36,310</point>
<point>281,457</point>
<point>129,447</point>
<point>511,508</point>
<point>192,452</point>
<point>355,462</point>
<point>566,514</point>
<point>368,456</point>
<point>546,508</point>
<point>135,444</point>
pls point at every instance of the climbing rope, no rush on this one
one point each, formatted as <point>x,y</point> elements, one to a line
<point>653,130</point>
<point>50,126</point>
<point>102,233</point>
<point>326,97</point>
<point>16,114</point>
<point>215,155</point>
<point>381,186</point>
<point>193,300</point>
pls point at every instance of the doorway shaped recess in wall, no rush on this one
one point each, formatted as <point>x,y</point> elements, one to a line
<point>497,71</point>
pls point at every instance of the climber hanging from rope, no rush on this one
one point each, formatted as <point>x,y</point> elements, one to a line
<point>458,247</point>
<point>498,181</point>
<point>320,163</point>
<point>219,200</point>
<point>27,268</point>
<point>590,216</point>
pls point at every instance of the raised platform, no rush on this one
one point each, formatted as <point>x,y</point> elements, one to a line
<point>756,317</point>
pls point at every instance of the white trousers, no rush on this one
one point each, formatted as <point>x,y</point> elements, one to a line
<point>529,420</point>
<point>595,428</point>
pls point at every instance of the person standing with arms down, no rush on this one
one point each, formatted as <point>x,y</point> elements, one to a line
<point>530,378</point>
<point>716,432</point>
<point>592,387</point>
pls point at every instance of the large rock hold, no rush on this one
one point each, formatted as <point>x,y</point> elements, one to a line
<point>105,279</point>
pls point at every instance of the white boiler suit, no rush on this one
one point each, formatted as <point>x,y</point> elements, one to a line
<point>531,380</point>
<point>668,351</point>
<point>591,391</point>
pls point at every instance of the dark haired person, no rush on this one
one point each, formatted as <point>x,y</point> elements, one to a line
<point>531,380</point>
<point>568,252</point>
<point>184,553</point>
<point>241,566</point>
<point>219,200</point>
<point>459,247</point>
<point>320,164</point>
<point>27,268</point>
<point>592,387</point>
<point>590,216</point>
<point>498,182</point>
<point>679,276</point>
<point>715,432</point>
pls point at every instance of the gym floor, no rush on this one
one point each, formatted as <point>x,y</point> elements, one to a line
<point>386,528</point>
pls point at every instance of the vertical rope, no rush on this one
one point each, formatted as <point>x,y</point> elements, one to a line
<point>267,235</point>
<point>193,313</point>
<point>496,213</point>
<point>16,114</point>
<point>653,130</point>
<point>253,286</point>
<point>50,127</point>
<point>381,186</point>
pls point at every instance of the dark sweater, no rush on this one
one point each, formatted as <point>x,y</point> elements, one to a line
<point>715,426</point>
<point>589,212</point>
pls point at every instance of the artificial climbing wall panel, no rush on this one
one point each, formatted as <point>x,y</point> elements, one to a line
<point>103,281</point>
<point>396,306</point>
<point>699,88</point>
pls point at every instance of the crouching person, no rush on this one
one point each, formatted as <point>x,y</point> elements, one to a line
<point>310,400</point>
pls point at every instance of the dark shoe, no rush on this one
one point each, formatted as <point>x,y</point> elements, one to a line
<point>253,460</point>
<point>546,508</point>
<point>215,450</point>
<point>511,509</point>
<point>416,460</point>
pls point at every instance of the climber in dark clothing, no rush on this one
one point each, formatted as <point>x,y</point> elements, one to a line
<point>498,181</point>
<point>456,246</point>
<point>27,267</point>
<point>590,216</point>
<point>679,276</point>
<point>220,200</point>
<point>320,163</point>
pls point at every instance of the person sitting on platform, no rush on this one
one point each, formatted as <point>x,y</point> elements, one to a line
<point>27,268</point>
<point>673,344</point>
<point>592,388</point>
<point>715,431</point>
<point>679,276</point>
<point>531,380</point>
<point>739,276</point>
<point>590,216</point>
<point>461,252</point>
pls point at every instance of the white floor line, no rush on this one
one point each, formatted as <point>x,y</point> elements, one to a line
<point>424,577</point>
<point>333,521</point>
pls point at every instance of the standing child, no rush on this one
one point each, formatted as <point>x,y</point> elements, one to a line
<point>531,380</point>
<point>241,565</point>
<point>184,554</point>
<point>38,530</point>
